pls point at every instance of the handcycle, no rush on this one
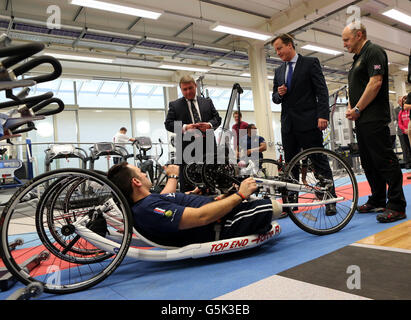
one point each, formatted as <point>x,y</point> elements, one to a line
<point>84,225</point>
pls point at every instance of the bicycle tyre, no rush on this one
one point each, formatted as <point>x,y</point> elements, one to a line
<point>346,187</point>
<point>82,280</point>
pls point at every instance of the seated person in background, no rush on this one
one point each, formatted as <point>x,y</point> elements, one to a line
<point>255,144</point>
<point>178,219</point>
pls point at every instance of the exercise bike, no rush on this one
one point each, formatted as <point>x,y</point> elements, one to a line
<point>149,164</point>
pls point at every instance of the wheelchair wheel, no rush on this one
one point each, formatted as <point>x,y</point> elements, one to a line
<point>67,261</point>
<point>327,176</point>
<point>63,203</point>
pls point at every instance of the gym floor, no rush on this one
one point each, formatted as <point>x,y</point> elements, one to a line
<point>295,265</point>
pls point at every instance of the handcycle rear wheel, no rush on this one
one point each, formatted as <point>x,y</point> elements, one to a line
<point>21,218</point>
<point>328,176</point>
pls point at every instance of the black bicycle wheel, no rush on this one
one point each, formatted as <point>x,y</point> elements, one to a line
<point>325,176</point>
<point>21,218</point>
<point>269,169</point>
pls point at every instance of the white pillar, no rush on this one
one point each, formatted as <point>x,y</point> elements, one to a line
<point>399,87</point>
<point>261,96</point>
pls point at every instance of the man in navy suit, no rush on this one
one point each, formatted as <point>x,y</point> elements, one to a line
<point>192,116</point>
<point>300,88</point>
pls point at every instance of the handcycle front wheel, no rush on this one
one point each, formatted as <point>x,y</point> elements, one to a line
<point>325,176</point>
<point>45,224</point>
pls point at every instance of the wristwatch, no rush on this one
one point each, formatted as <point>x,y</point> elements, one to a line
<point>172,176</point>
<point>357,110</point>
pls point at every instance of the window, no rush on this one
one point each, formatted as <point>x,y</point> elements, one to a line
<point>102,94</point>
<point>151,123</point>
<point>61,88</point>
<point>147,96</point>
<point>100,126</point>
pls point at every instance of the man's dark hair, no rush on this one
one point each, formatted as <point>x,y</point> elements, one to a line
<point>251,125</point>
<point>237,112</point>
<point>120,174</point>
<point>285,38</point>
<point>123,129</point>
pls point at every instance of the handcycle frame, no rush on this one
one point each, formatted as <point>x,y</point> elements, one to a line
<point>123,240</point>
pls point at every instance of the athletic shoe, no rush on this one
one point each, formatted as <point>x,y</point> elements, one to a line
<point>330,209</point>
<point>390,216</point>
<point>98,224</point>
<point>366,208</point>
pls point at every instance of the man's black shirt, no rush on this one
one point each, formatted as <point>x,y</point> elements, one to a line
<point>371,61</point>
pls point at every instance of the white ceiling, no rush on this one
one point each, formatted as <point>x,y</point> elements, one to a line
<point>182,34</point>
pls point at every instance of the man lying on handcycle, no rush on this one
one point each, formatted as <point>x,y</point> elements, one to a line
<point>178,219</point>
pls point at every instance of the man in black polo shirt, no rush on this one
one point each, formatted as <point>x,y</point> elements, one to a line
<point>370,109</point>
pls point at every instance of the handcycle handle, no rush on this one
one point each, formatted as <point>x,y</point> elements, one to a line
<point>31,101</point>
<point>30,126</point>
<point>45,103</point>
<point>57,69</point>
<point>17,54</point>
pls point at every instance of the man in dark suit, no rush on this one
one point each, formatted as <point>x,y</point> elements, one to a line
<point>300,88</point>
<point>191,118</point>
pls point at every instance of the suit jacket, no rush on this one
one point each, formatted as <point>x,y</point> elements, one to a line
<point>306,100</point>
<point>178,111</point>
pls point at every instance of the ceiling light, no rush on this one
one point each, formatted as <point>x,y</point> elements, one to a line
<point>129,9</point>
<point>187,67</point>
<point>321,49</point>
<point>85,58</point>
<point>390,91</point>
<point>240,31</point>
<point>398,15</point>
<point>404,69</point>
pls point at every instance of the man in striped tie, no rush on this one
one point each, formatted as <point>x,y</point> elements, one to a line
<point>190,118</point>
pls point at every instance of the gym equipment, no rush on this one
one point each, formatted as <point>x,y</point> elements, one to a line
<point>64,151</point>
<point>7,280</point>
<point>27,108</point>
<point>92,239</point>
<point>192,172</point>
<point>33,290</point>
<point>107,149</point>
<point>7,169</point>
<point>149,163</point>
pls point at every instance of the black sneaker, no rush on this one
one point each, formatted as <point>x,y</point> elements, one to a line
<point>98,224</point>
<point>330,209</point>
<point>367,208</point>
<point>390,216</point>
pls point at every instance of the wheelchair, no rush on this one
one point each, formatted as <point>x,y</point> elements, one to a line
<point>81,225</point>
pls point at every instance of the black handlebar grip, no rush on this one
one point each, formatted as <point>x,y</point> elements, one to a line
<point>27,101</point>
<point>17,54</point>
<point>30,126</point>
<point>45,103</point>
<point>35,63</point>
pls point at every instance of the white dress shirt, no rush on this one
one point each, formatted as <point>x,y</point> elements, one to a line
<point>293,62</point>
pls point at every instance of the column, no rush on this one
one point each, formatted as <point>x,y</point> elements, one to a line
<point>261,96</point>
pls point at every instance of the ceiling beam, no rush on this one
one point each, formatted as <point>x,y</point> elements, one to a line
<point>305,13</point>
